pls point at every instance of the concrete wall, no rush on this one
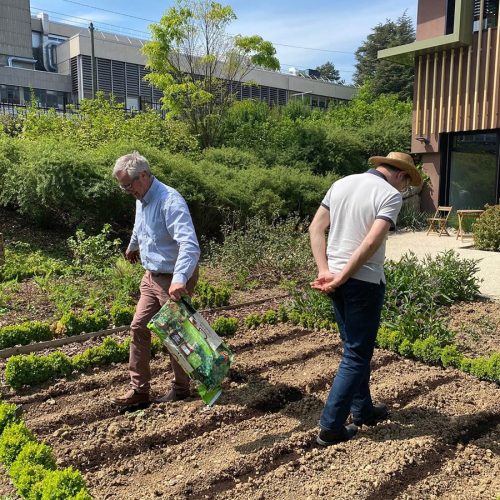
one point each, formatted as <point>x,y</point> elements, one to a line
<point>35,79</point>
<point>431,19</point>
<point>15,28</point>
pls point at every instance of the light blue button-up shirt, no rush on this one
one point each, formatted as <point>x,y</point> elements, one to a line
<point>164,233</point>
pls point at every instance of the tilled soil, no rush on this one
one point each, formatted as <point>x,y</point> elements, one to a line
<point>258,442</point>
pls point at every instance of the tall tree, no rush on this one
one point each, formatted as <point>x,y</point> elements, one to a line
<point>329,72</point>
<point>198,65</point>
<point>384,76</point>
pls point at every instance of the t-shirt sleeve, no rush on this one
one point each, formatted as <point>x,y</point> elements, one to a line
<point>326,200</point>
<point>389,210</point>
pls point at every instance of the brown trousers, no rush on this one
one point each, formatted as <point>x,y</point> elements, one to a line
<point>154,293</point>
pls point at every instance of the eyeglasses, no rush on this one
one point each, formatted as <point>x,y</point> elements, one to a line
<point>128,187</point>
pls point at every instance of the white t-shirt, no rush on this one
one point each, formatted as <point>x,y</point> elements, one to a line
<point>354,203</point>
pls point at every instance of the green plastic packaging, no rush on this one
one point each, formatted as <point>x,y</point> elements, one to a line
<point>201,353</point>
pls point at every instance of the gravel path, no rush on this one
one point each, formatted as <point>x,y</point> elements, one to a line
<point>489,262</point>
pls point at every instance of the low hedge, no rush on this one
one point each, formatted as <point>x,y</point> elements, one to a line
<point>431,351</point>
<point>225,327</point>
<point>24,333</point>
<point>207,295</point>
<point>34,369</point>
<point>73,323</point>
<point>32,466</point>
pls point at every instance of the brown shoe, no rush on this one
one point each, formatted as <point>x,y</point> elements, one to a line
<point>132,398</point>
<point>172,395</point>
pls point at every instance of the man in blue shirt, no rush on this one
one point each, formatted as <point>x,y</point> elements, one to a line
<point>165,241</point>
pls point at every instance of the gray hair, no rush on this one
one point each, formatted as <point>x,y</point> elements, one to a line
<point>133,164</point>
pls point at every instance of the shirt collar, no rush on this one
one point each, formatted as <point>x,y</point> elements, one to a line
<point>374,171</point>
<point>150,193</point>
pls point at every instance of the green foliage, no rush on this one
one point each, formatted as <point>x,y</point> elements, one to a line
<point>108,352</point>
<point>72,323</point>
<point>225,327</point>
<point>487,229</point>
<point>121,315</point>
<point>14,437</point>
<point>25,333</point>
<point>428,350</point>
<point>202,91</point>
<point>386,77</point>
<point>451,356</point>
<point>329,72</point>
<point>417,288</point>
<point>8,415</point>
<point>263,250</point>
<point>27,370</point>
<point>96,250</point>
<point>253,320</point>
<point>22,262</point>
<point>25,476</point>
<point>270,317</point>
<point>207,295</point>
<point>412,218</point>
<point>66,484</point>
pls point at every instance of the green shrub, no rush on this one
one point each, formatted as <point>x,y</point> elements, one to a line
<point>405,348</point>
<point>207,295</point>
<point>8,415</point>
<point>225,327</point>
<point>26,476</point>
<point>66,484</point>
<point>121,314</point>
<point>451,356</point>
<point>36,453</point>
<point>25,333</point>
<point>411,218</point>
<point>487,229</point>
<point>479,368</point>
<point>96,250</point>
<point>494,367</point>
<point>73,323</point>
<point>59,363</point>
<point>14,437</point>
<point>427,350</point>
<point>253,320</point>
<point>270,317</point>
<point>28,369</point>
<point>259,249</point>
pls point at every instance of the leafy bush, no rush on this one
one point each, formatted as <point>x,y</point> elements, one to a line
<point>270,317</point>
<point>451,356</point>
<point>12,441</point>
<point>96,250</point>
<point>8,415</point>
<point>253,320</point>
<point>27,370</point>
<point>73,323</point>
<point>26,476</point>
<point>22,262</point>
<point>225,327</point>
<point>36,453</point>
<point>427,350</point>
<point>207,295</point>
<point>487,229</point>
<point>121,315</point>
<point>66,484</point>
<point>25,333</point>
<point>263,250</point>
<point>412,218</point>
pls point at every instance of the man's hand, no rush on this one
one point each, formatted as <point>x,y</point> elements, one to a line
<point>177,290</point>
<point>132,255</point>
<point>327,282</point>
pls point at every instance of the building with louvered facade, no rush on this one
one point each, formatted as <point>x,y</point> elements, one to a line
<point>53,60</point>
<point>456,104</point>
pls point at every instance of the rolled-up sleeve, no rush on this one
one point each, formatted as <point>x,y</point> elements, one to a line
<point>180,227</point>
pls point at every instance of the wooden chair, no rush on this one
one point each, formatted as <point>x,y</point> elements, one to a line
<point>439,221</point>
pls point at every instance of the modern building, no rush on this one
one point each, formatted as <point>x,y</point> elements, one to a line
<point>456,105</point>
<point>53,60</point>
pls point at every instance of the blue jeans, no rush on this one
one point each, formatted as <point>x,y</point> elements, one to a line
<point>357,305</point>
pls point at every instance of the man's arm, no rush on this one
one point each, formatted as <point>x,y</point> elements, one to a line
<point>180,226</point>
<point>132,252</point>
<point>317,230</point>
<point>368,247</point>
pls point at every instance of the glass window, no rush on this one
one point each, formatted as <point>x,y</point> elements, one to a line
<point>473,170</point>
<point>490,14</point>
<point>132,102</point>
<point>10,94</point>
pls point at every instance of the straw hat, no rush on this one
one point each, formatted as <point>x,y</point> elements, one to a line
<point>402,161</point>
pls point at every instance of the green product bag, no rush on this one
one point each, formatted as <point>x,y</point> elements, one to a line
<point>199,350</point>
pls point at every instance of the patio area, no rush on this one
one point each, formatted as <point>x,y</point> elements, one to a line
<point>419,243</point>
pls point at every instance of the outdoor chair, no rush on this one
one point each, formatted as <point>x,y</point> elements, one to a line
<point>438,222</point>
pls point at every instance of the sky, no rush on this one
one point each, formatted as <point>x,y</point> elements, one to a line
<point>305,34</point>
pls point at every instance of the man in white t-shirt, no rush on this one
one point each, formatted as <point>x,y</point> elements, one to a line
<point>359,210</point>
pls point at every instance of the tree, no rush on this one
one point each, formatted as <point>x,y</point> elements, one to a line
<point>386,77</point>
<point>329,72</point>
<point>198,66</point>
